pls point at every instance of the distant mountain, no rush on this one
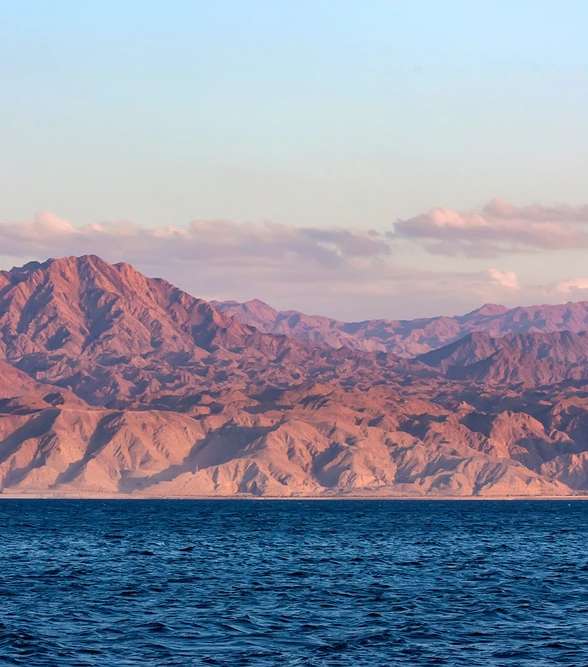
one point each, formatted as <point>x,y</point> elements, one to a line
<point>313,329</point>
<point>117,338</point>
<point>83,305</point>
<point>530,358</point>
<point>410,337</point>
<point>113,383</point>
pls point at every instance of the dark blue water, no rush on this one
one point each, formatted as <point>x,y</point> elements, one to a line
<point>293,583</point>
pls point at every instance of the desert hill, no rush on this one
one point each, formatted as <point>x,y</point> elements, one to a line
<point>112,382</point>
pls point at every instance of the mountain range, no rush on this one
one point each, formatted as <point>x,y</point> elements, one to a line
<point>409,337</point>
<point>114,383</point>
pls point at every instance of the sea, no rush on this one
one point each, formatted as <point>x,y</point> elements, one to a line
<point>322,582</point>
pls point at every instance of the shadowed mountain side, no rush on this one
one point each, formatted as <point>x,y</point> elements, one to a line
<point>120,340</point>
<point>528,359</point>
<point>327,447</point>
<point>111,382</point>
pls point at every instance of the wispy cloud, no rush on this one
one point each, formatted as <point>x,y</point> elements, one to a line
<point>497,229</point>
<point>208,239</point>
<point>506,279</point>
<point>575,285</point>
<point>348,273</point>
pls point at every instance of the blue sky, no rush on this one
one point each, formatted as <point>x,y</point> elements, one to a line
<point>320,114</point>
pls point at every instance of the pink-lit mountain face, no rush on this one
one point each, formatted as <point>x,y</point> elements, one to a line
<point>114,383</point>
<point>410,337</point>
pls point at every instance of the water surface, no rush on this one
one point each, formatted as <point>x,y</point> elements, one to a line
<point>104,583</point>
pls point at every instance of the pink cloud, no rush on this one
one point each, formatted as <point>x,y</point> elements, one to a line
<point>200,239</point>
<point>505,279</point>
<point>570,286</point>
<point>347,273</point>
<point>498,228</point>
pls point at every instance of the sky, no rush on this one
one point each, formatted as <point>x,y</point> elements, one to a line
<point>356,159</point>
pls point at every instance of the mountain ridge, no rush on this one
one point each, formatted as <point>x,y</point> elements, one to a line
<point>409,338</point>
<point>115,383</point>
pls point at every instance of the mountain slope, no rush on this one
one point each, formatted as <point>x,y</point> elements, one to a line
<point>119,339</point>
<point>83,304</point>
<point>114,383</point>
<point>321,444</point>
<point>530,359</point>
<point>410,337</point>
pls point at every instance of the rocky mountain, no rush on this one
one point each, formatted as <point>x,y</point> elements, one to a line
<point>528,359</point>
<point>118,339</point>
<point>114,383</point>
<point>408,338</point>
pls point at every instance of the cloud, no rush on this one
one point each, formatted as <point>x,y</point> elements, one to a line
<point>499,228</point>
<point>218,258</point>
<point>498,208</point>
<point>505,279</point>
<point>348,273</point>
<point>209,239</point>
<point>570,286</point>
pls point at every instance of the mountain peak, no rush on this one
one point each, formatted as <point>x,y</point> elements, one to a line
<point>488,310</point>
<point>186,400</point>
<point>70,303</point>
<point>70,261</point>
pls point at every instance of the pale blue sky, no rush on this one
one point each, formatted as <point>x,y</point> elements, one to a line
<point>302,112</point>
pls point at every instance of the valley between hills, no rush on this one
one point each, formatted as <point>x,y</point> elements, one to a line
<point>115,384</point>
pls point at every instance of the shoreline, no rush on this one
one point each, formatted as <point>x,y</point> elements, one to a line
<point>139,497</point>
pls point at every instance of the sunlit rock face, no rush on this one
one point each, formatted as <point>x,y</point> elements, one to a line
<point>114,383</point>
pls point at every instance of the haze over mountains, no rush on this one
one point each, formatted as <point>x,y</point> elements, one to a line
<point>410,337</point>
<point>111,382</point>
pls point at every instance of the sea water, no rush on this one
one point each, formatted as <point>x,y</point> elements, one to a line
<point>226,582</point>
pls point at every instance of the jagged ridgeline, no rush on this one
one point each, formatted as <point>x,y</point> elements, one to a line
<point>112,382</point>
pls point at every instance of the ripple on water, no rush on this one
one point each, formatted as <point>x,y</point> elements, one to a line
<point>293,583</point>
